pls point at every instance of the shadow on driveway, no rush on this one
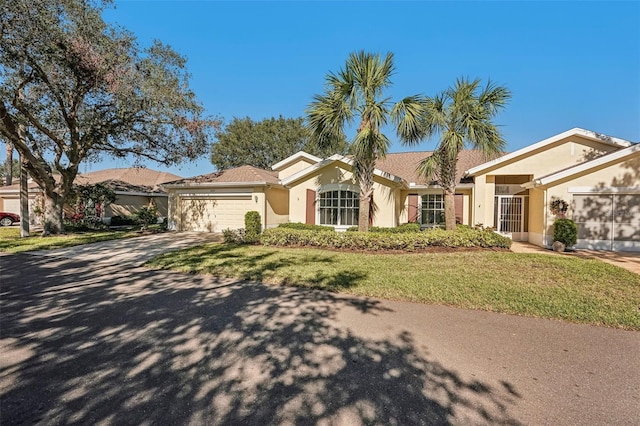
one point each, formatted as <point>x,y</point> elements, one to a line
<point>100,345</point>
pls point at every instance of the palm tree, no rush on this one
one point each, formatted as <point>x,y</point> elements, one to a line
<point>461,116</point>
<point>357,90</point>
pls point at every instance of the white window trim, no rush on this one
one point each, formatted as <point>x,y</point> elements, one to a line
<point>420,195</point>
<point>335,187</point>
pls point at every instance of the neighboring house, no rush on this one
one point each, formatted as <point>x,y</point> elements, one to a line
<point>134,187</point>
<point>599,176</point>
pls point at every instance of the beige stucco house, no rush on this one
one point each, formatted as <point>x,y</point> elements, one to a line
<point>599,176</point>
<point>134,188</point>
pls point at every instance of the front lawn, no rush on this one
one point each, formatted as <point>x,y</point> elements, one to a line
<point>559,287</point>
<point>10,240</point>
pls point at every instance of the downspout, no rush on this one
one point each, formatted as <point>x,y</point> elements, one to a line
<point>546,219</point>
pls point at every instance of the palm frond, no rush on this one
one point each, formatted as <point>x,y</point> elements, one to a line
<point>428,168</point>
<point>407,115</point>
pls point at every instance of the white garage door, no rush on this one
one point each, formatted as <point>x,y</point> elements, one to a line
<point>214,215</point>
<point>12,205</point>
<point>608,221</point>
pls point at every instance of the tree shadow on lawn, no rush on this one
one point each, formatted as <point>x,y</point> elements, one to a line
<point>92,344</point>
<point>222,259</point>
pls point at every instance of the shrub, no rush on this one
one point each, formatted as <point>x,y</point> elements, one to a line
<point>405,227</point>
<point>122,221</point>
<point>306,226</point>
<point>253,226</point>
<point>81,223</point>
<point>146,216</point>
<point>565,231</point>
<point>408,241</point>
<point>234,236</point>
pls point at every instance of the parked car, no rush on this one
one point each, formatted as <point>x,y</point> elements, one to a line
<point>8,219</point>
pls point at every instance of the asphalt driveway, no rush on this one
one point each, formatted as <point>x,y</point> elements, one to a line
<point>130,252</point>
<point>86,342</point>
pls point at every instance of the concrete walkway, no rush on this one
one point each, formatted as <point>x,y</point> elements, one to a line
<point>628,261</point>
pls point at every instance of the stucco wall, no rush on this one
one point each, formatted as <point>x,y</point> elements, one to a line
<point>403,197</point>
<point>126,205</point>
<point>383,194</point>
<point>622,177</point>
<point>295,167</point>
<point>277,207</point>
<point>549,159</point>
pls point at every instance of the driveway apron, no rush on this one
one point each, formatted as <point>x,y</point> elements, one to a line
<point>130,252</point>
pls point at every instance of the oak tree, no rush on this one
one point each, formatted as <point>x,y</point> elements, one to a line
<point>74,88</point>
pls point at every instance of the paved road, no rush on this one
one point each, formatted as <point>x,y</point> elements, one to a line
<point>94,343</point>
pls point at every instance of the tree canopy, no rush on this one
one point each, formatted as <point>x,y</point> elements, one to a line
<point>460,116</point>
<point>264,143</point>
<point>356,92</point>
<point>74,88</point>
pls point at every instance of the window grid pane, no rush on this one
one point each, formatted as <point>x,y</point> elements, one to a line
<point>339,208</point>
<point>432,212</point>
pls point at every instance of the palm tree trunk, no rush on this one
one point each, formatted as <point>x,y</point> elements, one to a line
<point>449,209</point>
<point>365,180</point>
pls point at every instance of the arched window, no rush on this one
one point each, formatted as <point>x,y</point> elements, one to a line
<point>338,206</point>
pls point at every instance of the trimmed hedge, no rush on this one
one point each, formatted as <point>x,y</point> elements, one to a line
<point>252,226</point>
<point>405,227</point>
<point>408,241</point>
<point>305,226</point>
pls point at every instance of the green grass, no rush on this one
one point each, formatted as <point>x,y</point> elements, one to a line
<point>10,240</point>
<point>559,287</point>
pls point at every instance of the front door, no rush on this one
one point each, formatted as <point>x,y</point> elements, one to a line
<point>510,216</point>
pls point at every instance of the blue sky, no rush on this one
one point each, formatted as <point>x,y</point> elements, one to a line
<point>568,64</point>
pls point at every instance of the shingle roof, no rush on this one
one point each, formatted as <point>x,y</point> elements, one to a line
<point>239,174</point>
<point>134,179</point>
<point>404,164</point>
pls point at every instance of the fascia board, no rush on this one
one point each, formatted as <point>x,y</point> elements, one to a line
<point>298,155</point>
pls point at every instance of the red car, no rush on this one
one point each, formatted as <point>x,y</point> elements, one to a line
<point>8,219</point>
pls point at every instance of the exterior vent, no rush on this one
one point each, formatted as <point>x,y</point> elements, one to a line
<point>502,190</point>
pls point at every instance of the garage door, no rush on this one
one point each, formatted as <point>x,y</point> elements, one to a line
<point>214,215</point>
<point>11,205</point>
<point>608,221</point>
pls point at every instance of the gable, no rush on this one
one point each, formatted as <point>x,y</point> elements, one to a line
<point>294,163</point>
<point>559,152</point>
<point>619,169</point>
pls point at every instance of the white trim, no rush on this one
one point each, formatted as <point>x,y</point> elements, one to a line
<point>142,194</point>
<point>620,143</point>
<point>219,185</point>
<point>215,196</point>
<point>600,161</point>
<point>336,187</point>
<point>414,185</point>
<point>333,159</point>
<point>292,158</point>
<point>607,190</point>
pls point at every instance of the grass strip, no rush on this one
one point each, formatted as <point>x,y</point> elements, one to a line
<point>557,287</point>
<point>11,242</point>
